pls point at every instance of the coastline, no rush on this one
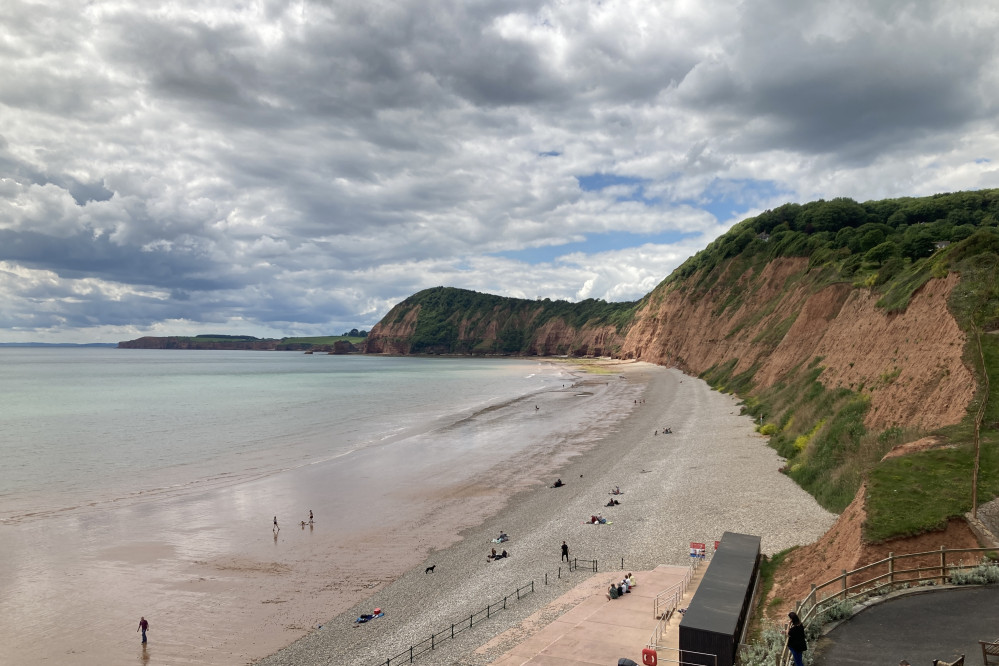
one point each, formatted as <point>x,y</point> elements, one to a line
<point>713,474</point>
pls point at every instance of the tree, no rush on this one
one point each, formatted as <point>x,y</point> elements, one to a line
<point>881,253</point>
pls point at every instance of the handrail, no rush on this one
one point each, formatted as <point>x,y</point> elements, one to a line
<point>812,605</point>
<point>682,585</point>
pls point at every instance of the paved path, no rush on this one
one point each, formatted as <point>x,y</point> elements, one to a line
<point>919,628</point>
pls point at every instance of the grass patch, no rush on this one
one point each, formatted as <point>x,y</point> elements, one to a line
<point>900,290</point>
<point>768,569</point>
<point>919,492</point>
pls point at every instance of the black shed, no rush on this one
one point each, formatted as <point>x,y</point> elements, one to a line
<point>714,621</point>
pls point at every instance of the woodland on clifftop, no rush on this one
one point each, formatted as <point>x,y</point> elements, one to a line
<point>748,314</point>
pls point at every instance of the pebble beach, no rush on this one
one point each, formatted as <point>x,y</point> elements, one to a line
<point>713,474</point>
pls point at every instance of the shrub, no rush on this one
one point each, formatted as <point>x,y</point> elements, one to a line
<point>983,574</point>
<point>840,611</point>
<point>765,650</point>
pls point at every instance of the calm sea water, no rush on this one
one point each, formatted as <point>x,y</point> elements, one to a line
<point>83,427</point>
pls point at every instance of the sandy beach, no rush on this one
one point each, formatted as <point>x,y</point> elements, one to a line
<point>712,474</point>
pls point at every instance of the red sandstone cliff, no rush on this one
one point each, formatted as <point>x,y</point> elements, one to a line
<point>908,363</point>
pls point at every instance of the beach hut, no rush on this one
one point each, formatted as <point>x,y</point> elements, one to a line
<point>713,624</point>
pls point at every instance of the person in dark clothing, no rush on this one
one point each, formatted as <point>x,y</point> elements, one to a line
<point>565,552</point>
<point>796,638</point>
<point>143,627</point>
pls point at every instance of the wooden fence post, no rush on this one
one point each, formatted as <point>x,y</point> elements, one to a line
<point>943,565</point>
<point>844,584</point>
<point>891,569</point>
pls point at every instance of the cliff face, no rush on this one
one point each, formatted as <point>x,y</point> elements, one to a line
<point>908,363</point>
<point>768,322</point>
<point>479,334</point>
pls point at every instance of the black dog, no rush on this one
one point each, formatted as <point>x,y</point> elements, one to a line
<point>430,569</point>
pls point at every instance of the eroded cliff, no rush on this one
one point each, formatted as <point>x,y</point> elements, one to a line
<point>909,364</point>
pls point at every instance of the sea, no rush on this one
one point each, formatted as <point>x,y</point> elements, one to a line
<point>85,427</point>
<point>145,482</point>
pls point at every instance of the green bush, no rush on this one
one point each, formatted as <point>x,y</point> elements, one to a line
<point>983,574</point>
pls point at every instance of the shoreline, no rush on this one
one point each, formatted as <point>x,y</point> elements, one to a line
<point>218,586</point>
<point>713,474</point>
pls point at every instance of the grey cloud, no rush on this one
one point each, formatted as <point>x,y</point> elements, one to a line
<point>860,94</point>
<point>83,255</point>
<point>305,165</point>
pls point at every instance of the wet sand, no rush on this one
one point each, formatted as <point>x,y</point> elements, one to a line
<point>219,586</point>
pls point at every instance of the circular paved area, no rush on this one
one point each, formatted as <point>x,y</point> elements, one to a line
<point>939,624</point>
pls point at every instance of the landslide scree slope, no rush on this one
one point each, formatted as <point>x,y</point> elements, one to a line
<point>848,328</point>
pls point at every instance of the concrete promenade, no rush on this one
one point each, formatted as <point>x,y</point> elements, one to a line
<point>598,632</point>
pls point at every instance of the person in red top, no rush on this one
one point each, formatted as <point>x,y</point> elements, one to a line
<point>143,627</point>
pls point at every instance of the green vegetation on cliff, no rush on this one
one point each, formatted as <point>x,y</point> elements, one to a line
<point>891,244</point>
<point>892,247</point>
<point>459,321</point>
<point>235,342</point>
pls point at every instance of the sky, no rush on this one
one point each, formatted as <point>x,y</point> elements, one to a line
<point>286,168</point>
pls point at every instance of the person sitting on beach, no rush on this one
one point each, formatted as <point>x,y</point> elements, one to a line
<point>365,617</point>
<point>631,580</point>
<point>612,592</point>
<point>616,491</point>
<point>625,586</point>
<point>492,555</point>
<point>502,555</point>
<point>558,484</point>
<point>612,502</point>
<point>503,536</point>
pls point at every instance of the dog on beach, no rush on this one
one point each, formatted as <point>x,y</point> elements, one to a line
<point>430,569</point>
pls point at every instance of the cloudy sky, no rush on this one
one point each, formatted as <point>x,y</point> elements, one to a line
<point>279,168</point>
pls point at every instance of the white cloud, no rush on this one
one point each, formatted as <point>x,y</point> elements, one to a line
<point>302,166</point>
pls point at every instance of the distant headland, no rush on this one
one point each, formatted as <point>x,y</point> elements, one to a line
<point>333,344</point>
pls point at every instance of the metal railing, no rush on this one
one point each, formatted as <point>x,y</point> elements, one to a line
<point>659,604</point>
<point>436,639</point>
<point>413,651</point>
<point>681,653</point>
<point>881,577</point>
<point>590,565</point>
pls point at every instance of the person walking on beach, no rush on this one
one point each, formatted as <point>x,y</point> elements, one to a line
<point>310,516</point>
<point>796,638</point>
<point>276,528</point>
<point>143,627</point>
<point>565,552</point>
